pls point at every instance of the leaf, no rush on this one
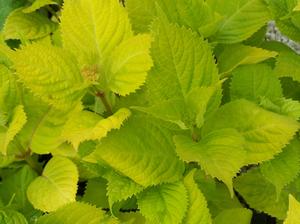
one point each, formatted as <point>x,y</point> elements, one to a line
<point>50,73</point>
<point>183,62</point>
<point>287,65</point>
<point>22,26</point>
<point>255,81</point>
<point>9,95</point>
<point>127,66</point>
<point>260,194</point>
<point>235,55</point>
<point>6,7</point>
<point>165,203</point>
<point>216,193</point>
<point>92,29</point>
<point>95,192</point>
<point>247,18</point>
<point>15,186</point>
<point>86,125</point>
<point>8,216</point>
<point>297,8</point>
<point>120,188</point>
<point>197,209</point>
<point>293,215</point>
<point>237,215</point>
<point>56,187</point>
<point>220,153</point>
<point>283,168</point>
<point>142,144</point>
<point>37,4</point>
<point>42,132</point>
<point>265,133</point>
<point>76,212</point>
<point>16,124</point>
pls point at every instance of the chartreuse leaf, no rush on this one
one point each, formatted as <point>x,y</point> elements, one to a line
<point>86,125</point>
<point>252,82</point>
<point>8,90</point>
<point>197,209</point>
<point>120,188</point>
<point>50,73</point>
<point>235,55</point>
<point>265,132</point>
<point>56,187</point>
<point>15,125</point>
<point>92,29</point>
<point>236,215</point>
<point>42,132</point>
<point>76,212</point>
<point>37,4</point>
<point>247,18</point>
<point>127,66</point>
<point>183,63</point>
<point>297,8</point>
<point>20,25</point>
<point>293,215</point>
<point>15,186</point>
<point>287,65</point>
<point>117,58</point>
<point>141,144</point>
<point>220,153</point>
<point>9,216</point>
<point>260,194</point>
<point>166,203</point>
<point>283,168</point>
<point>283,106</point>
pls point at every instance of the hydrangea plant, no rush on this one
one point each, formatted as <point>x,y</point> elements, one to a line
<point>161,112</point>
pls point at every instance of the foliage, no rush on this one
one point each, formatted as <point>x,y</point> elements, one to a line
<point>162,112</point>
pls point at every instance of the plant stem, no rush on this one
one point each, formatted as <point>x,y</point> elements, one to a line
<point>102,96</point>
<point>33,164</point>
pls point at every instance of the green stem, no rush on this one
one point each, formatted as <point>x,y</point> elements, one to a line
<point>102,96</point>
<point>33,164</point>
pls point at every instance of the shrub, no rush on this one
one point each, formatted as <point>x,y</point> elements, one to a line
<point>166,111</point>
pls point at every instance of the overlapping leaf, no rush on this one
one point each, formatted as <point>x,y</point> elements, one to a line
<point>265,133</point>
<point>56,187</point>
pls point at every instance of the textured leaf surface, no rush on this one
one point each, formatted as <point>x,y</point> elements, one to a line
<point>197,210</point>
<point>265,133</point>
<point>8,90</point>
<point>220,153</point>
<point>260,194</point>
<point>127,66</point>
<point>165,203</point>
<point>183,62</point>
<point>284,168</point>
<point>235,55</point>
<point>8,216</point>
<point>293,215</point>
<point>255,81</point>
<point>248,17</point>
<point>16,124</point>
<point>142,144</point>
<point>237,215</point>
<point>283,106</point>
<point>34,25</point>
<point>86,125</point>
<point>288,64</point>
<point>50,73</point>
<point>76,212</point>
<point>92,29</point>
<point>56,187</point>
